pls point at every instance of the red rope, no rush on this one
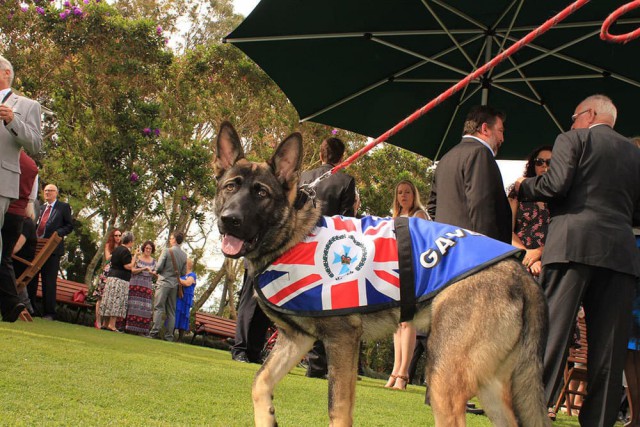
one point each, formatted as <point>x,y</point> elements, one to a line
<point>464,82</point>
<point>623,38</point>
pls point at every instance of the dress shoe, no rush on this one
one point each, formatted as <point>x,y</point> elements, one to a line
<point>240,357</point>
<point>48,317</point>
<point>471,409</point>
<point>13,314</point>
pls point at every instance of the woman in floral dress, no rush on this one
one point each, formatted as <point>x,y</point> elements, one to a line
<point>113,241</point>
<point>140,306</point>
<point>531,219</point>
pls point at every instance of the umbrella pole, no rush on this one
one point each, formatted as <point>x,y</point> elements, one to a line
<point>464,82</point>
<point>487,57</point>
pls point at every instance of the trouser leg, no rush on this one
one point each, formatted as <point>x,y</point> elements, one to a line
<point>159,304</point>
<point>607,306</point>
<point>10,231</point>
<point>49,274</point>
<point>564,286</point>
<point>170,310</point>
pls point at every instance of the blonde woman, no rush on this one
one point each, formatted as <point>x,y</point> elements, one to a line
<point>406,202</point>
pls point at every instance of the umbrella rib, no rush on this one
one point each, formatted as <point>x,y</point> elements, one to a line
<point>533,101</point>
<point>444,27</point>
<point>399,73</point>
<point>504,13</point>
<point>461,100</point>
<point>431,59</point>
<point>461,15</point>
<point>511,24</point>
<point>533,90</point>
<point>573,25</point>
<point>551,78</point>
<point>578,62</point>
<point>515,93</point>
<point>548,53</point>
<point>359,34</point>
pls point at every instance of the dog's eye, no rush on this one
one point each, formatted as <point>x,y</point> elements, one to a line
<point>262,193</point>
<point>230,186</point>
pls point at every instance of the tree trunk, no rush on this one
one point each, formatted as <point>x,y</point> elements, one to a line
<point>91,268</point>
<point>213,283</point>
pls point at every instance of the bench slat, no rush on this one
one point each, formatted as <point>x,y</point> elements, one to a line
<point>215,325</point>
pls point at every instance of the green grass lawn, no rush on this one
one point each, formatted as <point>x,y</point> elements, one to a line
<point>55,373</point>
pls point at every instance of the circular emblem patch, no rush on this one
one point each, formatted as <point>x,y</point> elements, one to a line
<point>342,255</point>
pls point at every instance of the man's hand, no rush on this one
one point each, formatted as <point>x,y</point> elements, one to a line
<point>6,114</point>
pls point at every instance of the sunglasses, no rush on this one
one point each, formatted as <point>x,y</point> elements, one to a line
<point>117,235</point>
<point>539,162</point>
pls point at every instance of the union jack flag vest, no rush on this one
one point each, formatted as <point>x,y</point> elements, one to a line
<point>348,265</point>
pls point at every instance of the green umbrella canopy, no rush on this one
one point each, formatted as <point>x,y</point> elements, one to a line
<point>366,65</point>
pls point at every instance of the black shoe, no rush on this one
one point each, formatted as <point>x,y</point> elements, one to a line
<point>240,357</point>
<point>471,409</point>
<point>48,317</point>
<point>315,374</point>
<point>13,314</point>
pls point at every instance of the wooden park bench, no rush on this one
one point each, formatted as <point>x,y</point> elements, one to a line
<point>65,289</point>
<point>216,326</point>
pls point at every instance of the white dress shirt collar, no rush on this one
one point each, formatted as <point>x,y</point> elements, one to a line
<point>482,142</point>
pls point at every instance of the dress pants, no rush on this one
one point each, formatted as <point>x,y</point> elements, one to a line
<point>11,229</point>
<point>421,347</point>
<point>251,325</point>
<point>606,296</point>
<point>317,358</point>
<point>49,276</point>
<point>164,304</point>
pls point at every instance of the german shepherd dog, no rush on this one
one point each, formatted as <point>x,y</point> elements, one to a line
<point>486,330</point>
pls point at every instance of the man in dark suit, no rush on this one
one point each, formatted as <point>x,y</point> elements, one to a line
<point>55,216</point>
<point>337,196</point>
<point>467,189</point>
<point>590,255</point>
<point>19,128</point>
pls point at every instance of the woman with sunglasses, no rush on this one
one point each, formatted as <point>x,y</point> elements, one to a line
<point>530,220</point>
<point>113,241</point>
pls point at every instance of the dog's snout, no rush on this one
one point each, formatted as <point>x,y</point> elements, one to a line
<point>231,220</point>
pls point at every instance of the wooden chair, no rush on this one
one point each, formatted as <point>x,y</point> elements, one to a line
<point>44,249</point>
<point>575,373</point>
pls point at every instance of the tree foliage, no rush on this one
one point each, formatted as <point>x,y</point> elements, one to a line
<point>134,92</point>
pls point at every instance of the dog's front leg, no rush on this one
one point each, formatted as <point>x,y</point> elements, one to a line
<point>287,353</point>
<point>342,357</point>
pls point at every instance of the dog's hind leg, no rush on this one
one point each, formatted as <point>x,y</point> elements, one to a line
<point>447,402</point>
<point>342,358</point>
<point>287,353</point>
<point>495,397</point>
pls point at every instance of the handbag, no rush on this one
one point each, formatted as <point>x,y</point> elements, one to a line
<point>175,268</point>
<point>79,297</point>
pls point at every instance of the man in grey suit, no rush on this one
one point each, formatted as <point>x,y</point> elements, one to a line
<point>19,128</point>
<point>467,189</point>
<point>164,303</point>
<point>590,257</point>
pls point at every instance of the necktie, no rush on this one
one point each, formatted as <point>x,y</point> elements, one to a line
<point>43,221</point>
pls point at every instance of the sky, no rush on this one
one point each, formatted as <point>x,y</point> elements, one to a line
<point>244,7</point>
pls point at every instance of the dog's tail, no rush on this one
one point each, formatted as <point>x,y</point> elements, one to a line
<point>527,390</point>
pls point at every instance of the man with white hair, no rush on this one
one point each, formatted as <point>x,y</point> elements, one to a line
<point>590,255</point>
<point>19,128</point>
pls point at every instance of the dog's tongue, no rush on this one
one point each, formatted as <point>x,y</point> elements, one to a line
<point>231,245</point>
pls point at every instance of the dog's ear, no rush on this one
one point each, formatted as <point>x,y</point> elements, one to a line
<point>287,159</point>
<point>228,149</point>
